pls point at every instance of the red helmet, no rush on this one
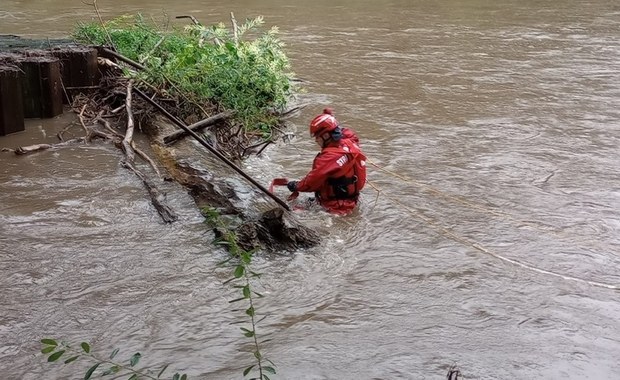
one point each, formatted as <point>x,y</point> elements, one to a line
<point>325,122</point>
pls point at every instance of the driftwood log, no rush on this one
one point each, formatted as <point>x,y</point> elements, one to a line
<point>275,229</point>
<point>158,199</point>
<point>175,136</point>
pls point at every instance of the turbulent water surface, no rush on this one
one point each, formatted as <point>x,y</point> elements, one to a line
<point>488,236</point>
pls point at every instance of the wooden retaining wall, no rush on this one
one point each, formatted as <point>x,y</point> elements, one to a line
<point>34,83</point>
<point>11,106</point>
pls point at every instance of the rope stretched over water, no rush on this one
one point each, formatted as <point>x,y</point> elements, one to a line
<point>451,235</point>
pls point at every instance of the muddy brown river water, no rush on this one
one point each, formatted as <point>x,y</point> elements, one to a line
<point>494,242</point>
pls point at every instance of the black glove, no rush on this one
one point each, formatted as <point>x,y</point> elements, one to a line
<point>292,186</point>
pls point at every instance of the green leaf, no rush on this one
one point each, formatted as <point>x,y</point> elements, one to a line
<point>90,371</point>
<point>85,346</point>
<point>50,342</point>
<point>257,354</point>
<point>247,370</point>
<point>230,46</point>
<point>265,377</point>
<point>176,376</point>
<point>48,349</point>
<point>111,370</point>
<point>246,257</point>
<point>250,311</point>
<point>246,291</point>
<point>55,356</point>
<point>270,370</point>
<point>135,359</point>
<point>113,354</point>
<point>184,377</point>
<point>162,371</point>
<point>133,377</point>
<point>72,359</point>
<point>239,270</point>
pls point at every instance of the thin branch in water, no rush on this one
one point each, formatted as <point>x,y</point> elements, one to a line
<point>138,151</point>
<point>94,4</point>
<point>235,28</point>
<point>130,126</point>
<point>81,118</point>
<point>61,133</point>
<point>196,22</point>
<point>377,197</point>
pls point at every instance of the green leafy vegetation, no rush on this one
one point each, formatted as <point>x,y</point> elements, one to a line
<point>102,366</point>
<point>240,261</point>
<point>240,68</point>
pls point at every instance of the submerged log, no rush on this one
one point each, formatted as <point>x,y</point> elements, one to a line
<point>11,106</point>
<point>273,230</point>
<point>158,199</point>
<point>276,229</point>
<point>198,181</point>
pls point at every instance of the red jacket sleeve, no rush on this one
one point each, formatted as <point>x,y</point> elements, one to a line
<point>324,166</point>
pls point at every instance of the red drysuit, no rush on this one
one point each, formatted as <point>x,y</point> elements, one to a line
<point>338,174</point>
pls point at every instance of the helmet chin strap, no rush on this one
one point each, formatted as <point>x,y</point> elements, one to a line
<point>325,140</point>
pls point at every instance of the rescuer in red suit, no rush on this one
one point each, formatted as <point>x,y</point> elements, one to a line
<point>339,171</point>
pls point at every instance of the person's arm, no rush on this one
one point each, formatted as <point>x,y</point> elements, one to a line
<point>324,166</point>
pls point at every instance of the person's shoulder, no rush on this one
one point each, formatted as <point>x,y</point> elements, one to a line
<point>344,146</point>
<point>348,133</point>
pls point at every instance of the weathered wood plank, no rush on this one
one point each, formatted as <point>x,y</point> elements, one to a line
<point>11,105</point>
<point>42,87</point>
<point>79,70</point>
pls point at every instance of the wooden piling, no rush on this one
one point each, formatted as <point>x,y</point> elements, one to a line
<point>33,86</point>
<point>79,70</point>
<point>42,86</point>
<point>11,105</point>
